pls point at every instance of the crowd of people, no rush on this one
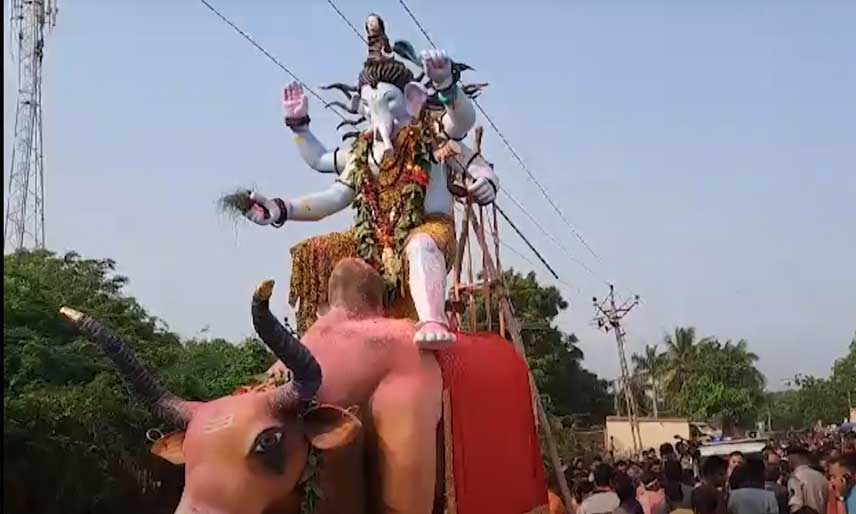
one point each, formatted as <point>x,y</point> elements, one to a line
<point>813,474</point>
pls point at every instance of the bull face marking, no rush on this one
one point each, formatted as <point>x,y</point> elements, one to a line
<point>218,424</point>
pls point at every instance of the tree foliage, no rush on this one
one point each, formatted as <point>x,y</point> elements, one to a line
<point>74,438</point>
<point>814,400</point>
<point>705,378</point>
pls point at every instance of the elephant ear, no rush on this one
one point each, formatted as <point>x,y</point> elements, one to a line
<point>415,96</point>
<point>328,427</point>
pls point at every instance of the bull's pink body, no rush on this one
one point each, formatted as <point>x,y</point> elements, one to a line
<point>367,361</point>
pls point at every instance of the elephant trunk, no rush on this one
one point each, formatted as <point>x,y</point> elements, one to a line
<point>164,404</point>
<point>383,126</point>
<point>287,347</point>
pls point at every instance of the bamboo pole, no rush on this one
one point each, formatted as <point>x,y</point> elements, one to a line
<point>498,265</point>
<point>517,340</point>
<point>485,280</point>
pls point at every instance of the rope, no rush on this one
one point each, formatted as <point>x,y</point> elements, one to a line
<point>267,54</point>
<point>552,238</point>
<point>520,234</point>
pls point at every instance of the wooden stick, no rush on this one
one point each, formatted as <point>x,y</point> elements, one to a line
<point>459,260</point>
<point>448,441</point>
<point>517,340</point>
<point>498,264</point>
<point>485,281</point>
<point>472,301</point>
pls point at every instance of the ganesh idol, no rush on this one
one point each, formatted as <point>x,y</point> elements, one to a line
<point>398,173</point>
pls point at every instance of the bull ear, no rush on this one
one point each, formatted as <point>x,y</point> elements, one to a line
<point>170,448</point>
<point>328,427</point>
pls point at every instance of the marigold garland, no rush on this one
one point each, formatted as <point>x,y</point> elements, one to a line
<point>390,205</point>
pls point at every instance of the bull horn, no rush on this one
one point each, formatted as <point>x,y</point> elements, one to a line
<point>163,403</point>
<point>285,344</point>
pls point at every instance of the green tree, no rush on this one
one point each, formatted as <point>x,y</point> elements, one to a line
<point>648,367</point>
<point>74,438</point>
<point>708,379</point>
<point>722,383</point>
<point>824,400</point>
<point>680,355</point>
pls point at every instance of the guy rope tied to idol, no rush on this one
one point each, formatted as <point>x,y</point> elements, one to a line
<point>396,176</point>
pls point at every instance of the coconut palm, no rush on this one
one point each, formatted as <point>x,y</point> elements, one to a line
<point>681,349</point>
<point>742,364</point>
<point>649,367</point>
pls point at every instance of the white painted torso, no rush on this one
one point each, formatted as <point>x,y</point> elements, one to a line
<point>438,199</point>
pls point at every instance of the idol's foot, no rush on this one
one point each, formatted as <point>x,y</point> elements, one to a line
<point>431,335</point>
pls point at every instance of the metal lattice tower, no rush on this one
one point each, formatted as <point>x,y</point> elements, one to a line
<point>25,208</point>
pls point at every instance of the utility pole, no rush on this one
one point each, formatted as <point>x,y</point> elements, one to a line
<point>25,209</point>
<point>608,317</point>
<point>656,392</point>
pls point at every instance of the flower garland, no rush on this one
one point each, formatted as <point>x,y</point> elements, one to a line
<point>310,484</point>
<point>390,205</point>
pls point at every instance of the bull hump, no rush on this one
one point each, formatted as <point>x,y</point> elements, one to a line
<point>356,287</point>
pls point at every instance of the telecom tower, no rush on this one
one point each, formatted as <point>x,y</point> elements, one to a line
<point>25,209</point>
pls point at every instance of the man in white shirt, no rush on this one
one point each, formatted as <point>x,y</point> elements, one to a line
<point>807,487</point>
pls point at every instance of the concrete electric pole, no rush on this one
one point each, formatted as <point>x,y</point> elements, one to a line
<point>608,317</point>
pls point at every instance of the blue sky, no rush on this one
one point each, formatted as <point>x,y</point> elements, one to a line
<point>706,150</point>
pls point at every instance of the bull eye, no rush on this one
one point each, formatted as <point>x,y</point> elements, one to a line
<point>268,440</point>
<point>268,449</point>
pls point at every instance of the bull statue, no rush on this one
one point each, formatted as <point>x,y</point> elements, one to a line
<point>375,424</point>
<point>397,175</point>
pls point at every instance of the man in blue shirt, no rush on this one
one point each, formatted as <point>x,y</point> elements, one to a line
<point>843,474</point>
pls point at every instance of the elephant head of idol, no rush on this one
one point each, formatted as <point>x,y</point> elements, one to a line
<point>245,453</point>
<point>389,96</point>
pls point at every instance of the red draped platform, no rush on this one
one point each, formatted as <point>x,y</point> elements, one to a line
<point>494,453</point>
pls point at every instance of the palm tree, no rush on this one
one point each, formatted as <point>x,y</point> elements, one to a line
<point>743,364</point>
<point>681,349</point>
<point>649,367</point>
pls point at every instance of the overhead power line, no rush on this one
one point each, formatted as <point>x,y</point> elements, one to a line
<point>345,19</point>
<point>510,148</point>
<point>267,54</point>
<point>421,28</point>
<point>533,179</point>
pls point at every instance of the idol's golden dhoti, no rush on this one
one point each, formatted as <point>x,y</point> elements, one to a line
<point>313,261</point>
